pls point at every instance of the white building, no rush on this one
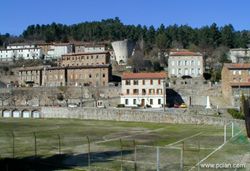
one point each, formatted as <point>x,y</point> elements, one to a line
<point>20,46</point>
<point>142,89</point>
<point>239,55</point>
<point>59,49</point>
<point>24,52</point>
<point>184,62</point>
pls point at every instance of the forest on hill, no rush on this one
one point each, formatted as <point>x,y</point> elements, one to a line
<point>162,37</point>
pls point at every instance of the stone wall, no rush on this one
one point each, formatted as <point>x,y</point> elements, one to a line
<point>132,115</point>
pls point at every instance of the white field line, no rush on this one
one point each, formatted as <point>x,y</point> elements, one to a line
<point>184,139</point>
<point>218,148</point>
<point>118,138</point>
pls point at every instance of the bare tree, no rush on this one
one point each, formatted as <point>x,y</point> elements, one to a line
<point>94,92</point>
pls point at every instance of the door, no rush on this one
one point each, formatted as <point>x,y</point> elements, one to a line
<point>6,114</point>
<point>26,114</point>
<point>16,114</point>
<point>36,114</point>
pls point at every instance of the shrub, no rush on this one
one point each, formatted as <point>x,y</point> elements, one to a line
<point>120,105</point>
<point>235,114</point>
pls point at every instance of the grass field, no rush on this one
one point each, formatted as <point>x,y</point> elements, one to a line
<point>60,144</point>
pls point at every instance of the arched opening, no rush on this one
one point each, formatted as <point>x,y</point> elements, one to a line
<point>26,114</point>
<point>35,114</point>
<point>16,114</point>
<point>6,113</point>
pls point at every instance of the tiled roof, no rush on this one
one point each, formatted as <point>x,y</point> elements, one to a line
<point>238,84</point>
<point>142,75</point>
<point>237,65</point>
<point>184,53</point>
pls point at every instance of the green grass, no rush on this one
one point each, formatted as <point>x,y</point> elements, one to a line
<point>105,142</point>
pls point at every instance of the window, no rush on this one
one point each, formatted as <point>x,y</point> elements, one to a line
<point>234,72</point>
<point>135,82</point>
<point>143,82</point>
<point>143,91</point>
<point>151,101</point>
<point>127,82</point>
<point>126,101</point>
<point>134,101</point>
<point>127,91</point>
<point>135,91</point>
<point>192,62</point>
<point>173,71</point>
<point>103,75</point>
<point>186,63</point>
<point>151,82</point>
<point>239,72</point>
<point>173,63</point>
<point>151,91</point>
<point>159,101</point>
<point>179,63</point>
<point>159,91</point>
<point>159,82</point>
<point>90,75</point>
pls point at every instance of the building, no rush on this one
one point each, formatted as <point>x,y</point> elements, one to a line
<point>184,62</point>
<point>235,82</point>
<point>15,52</point>
<point>239,55</point>
<point>143,89</point>
<point>58,49</point>
<point>85,59</point>
<point>123,50</point>
<point>89,48</point>
<point>62,76</point>
<point>45,47</point>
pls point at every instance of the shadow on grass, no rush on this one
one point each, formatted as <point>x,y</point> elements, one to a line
<point>58,161</point>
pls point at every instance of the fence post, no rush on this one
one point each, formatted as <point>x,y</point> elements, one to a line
<point>225,133</point>
<point>121,154</point>
<point>13,145</point>
<point>199,148</point>
<point>135,159</point>
<point>182,157</point>
<point>35,144</point>
<point>88,152</point>
<point>157,158</point>
<point>59,143</point>
<point>232,129</point>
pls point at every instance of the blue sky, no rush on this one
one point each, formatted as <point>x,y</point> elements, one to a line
<point>16,15</point>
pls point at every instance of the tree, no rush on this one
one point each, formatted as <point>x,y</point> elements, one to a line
<point>228,36</point>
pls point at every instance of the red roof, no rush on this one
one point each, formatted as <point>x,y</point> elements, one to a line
<point>143,75</point>
<point>184,53</point>
<point>237,66</point>
<point>238,84</point>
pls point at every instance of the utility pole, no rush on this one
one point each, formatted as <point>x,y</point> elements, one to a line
<point>164,95</point>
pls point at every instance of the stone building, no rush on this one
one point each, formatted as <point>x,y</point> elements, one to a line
<point>183,62</point>
<point>142,89</point>
<point>88,47</point>
<point>58,49</point>
<point>62,76</point>
<point>235,82</point>
<point>85,59</point>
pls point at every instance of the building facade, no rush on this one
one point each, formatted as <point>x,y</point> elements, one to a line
<point>235,82</point>
<point>143,89</point>
<point>11,54</point>
<point>58,49</point>
<point>85,59</point>
<point>183,62</point>
<point>239,55</point>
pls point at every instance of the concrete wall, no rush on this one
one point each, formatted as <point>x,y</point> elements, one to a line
<point>132,115</point>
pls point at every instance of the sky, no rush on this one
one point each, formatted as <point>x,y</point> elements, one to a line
<point>16,15</point>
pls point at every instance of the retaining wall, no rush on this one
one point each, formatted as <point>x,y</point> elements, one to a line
<point>132,115</point>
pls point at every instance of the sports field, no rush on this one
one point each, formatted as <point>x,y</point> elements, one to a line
<point>65,144</point>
